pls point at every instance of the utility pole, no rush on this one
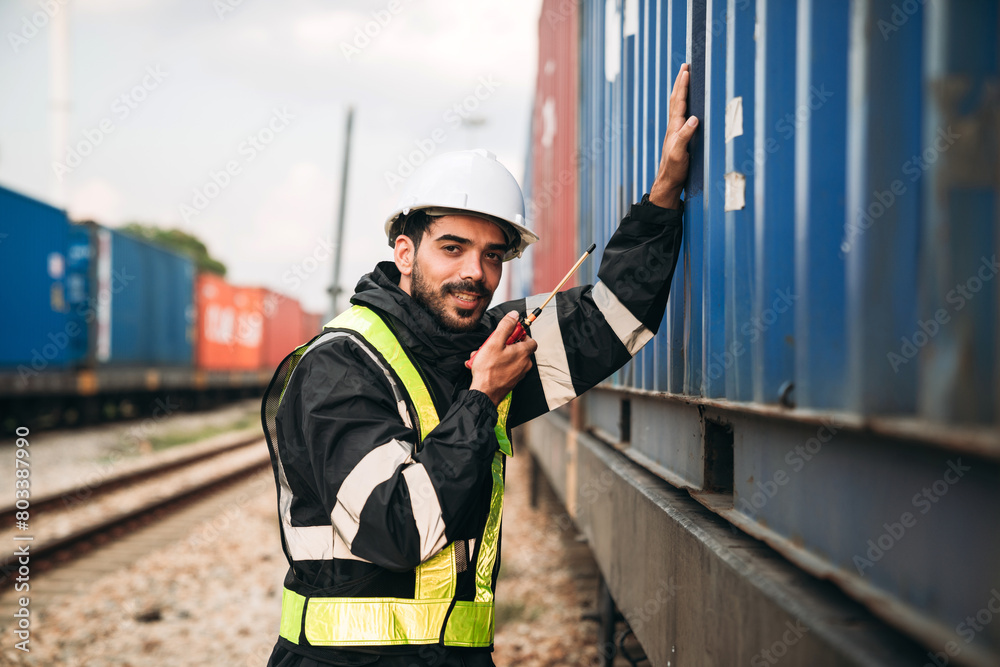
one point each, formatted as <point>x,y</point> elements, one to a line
<point>335,288</point>
<point>59,97</point>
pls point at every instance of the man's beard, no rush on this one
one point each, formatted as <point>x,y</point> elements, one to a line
<point>437,303</point>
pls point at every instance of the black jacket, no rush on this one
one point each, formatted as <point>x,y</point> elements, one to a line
<point>338,407</point>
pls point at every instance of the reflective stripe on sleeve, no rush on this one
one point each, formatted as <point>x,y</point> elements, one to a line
<point>630,331</point>
<point>376,467</point>
<point>426,509</point>
<point>550,357</point>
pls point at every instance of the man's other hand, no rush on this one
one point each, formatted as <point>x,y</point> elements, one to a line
<point>674,158</point>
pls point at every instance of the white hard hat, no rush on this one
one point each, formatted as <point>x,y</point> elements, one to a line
<point>466,182</point>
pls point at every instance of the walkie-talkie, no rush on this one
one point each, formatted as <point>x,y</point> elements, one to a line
<point>523,323</point>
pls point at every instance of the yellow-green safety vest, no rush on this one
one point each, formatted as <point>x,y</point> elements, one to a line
<point>432,616</point>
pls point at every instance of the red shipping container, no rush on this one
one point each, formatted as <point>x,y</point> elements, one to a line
<point>282,317</point>
<point>553,207</point>
<point>230,325</point>
<point>312,324</point>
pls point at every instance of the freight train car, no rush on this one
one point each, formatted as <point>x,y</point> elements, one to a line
<point>804,464</point>
<point>145,313</point>
<point>101,324</point>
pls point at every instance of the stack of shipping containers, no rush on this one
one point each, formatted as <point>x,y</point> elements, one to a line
<point>98,318</point>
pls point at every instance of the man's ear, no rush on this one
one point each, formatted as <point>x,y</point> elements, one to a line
<point>404,254</point>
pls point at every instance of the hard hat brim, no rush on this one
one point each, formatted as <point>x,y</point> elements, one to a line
<point>518,236</point>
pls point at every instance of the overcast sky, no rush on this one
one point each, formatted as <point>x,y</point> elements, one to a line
<point>164,94</point>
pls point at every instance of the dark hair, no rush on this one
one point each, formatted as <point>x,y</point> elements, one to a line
<point>415,225</point>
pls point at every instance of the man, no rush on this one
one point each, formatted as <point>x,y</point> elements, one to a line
<point>389,453</point>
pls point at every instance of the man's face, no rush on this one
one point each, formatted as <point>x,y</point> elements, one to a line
<point>457,268</point>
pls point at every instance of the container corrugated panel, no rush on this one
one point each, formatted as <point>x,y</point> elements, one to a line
<point>230,325</point>
<point>283,319</point>
<point>145,302</point>
<point>841,215</point>
<point>44,326</point>
<point>552,208</point>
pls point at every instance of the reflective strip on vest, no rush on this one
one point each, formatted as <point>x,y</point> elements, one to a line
<point>330,621</point>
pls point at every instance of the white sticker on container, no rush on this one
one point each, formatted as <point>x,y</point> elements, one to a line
<point>612,41</point>
<point>104,295</point>
<point>57,265</point>
<point>548,122</point>
<point>736,189</point>
<point>631,18</point>
<point>734,118</point>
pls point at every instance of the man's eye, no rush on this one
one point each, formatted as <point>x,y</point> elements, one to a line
<point>494,256</point>
<point>450,248</point>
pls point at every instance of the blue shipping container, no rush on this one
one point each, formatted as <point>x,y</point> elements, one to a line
<point>840,234</point>
<point>145,302</point>
<point>829,360</point>
<point>43,329</point>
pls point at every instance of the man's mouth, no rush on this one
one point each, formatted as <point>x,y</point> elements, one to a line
<point>466,298</point>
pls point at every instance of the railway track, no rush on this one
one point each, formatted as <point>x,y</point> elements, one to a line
<point>72,523</point>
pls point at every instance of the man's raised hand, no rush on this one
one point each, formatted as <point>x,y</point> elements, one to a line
<point>674,158</point>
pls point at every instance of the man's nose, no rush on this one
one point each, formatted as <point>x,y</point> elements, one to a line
<point>472,267</point>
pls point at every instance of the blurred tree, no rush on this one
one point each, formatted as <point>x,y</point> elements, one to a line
<point>178,240</point>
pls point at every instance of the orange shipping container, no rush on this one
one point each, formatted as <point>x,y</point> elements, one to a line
<point>282,317</point>
<point>230,325</point>
<point>554,188</point>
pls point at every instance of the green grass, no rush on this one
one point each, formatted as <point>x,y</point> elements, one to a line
<point>174,438</point>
